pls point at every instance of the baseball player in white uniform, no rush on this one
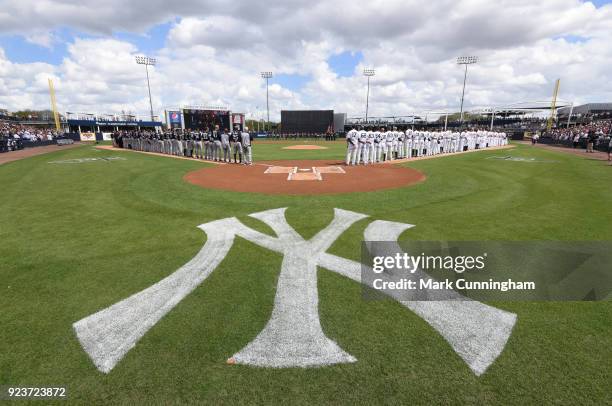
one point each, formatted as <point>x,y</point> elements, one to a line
<point>352,146</point>
<point>390,142</point>
<point>370,146</point>
<point>408,143</point>
<point>382,144</point>
<point>400,144</point>
<point>361,146</point>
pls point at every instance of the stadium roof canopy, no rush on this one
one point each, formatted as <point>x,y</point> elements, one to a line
<point>524,107</point>
<point>589,108</point>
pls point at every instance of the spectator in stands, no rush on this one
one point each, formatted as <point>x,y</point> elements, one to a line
<point>13,135</point>
<point>576,140</point>
<point>590,141</point>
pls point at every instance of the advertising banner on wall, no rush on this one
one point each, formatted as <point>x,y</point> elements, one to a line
<point>87,136</point>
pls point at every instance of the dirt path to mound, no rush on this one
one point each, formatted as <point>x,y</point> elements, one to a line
<point>6,157</point>
<point>307,177</point>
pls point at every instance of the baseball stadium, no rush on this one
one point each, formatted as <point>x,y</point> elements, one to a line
<point>391,249</point>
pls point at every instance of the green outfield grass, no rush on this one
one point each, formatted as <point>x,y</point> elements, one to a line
<point>76,238</point>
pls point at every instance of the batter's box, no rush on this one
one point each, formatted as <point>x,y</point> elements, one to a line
<point>281,169</point>
<point>328,169</point>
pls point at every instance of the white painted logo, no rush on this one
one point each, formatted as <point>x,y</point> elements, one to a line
<point>293,336</point>
<point>85,160</point>
<point>519,159</point>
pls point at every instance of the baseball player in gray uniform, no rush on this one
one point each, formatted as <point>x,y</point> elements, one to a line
<point>199,146</point>
<point>225,144</point>
<point>217,144</point>
<point>245,141</point>
<point>235,140</point>
<point>206,144</point>
<point>189,144</point>
<point>176,145</point>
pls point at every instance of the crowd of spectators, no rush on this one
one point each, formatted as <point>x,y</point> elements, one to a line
<point>15,136</point>
<point>595,135</point>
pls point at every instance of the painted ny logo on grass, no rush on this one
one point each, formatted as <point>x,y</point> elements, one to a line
<point>293,336</point>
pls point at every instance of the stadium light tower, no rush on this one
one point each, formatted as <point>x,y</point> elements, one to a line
<point>465,60</point>
<point>146,61</point>
<point>368,73</point>
<point>267,76</point>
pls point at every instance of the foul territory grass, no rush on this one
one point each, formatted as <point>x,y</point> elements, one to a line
<point>75,238</point>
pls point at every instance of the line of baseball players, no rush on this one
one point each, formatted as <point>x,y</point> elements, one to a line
<point>376,144</point>
<point>216,145</point>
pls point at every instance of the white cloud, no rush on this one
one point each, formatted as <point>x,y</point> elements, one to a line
<point>215,51</point>
<point>45,39</point>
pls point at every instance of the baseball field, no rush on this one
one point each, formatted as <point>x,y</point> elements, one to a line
<point>84,228</point>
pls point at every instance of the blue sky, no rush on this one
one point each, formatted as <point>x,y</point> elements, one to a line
<point>18,49</point>
<point>343,64</point>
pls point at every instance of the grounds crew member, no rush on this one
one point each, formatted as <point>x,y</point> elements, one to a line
<point>235,142</point>
<point>245,141</point>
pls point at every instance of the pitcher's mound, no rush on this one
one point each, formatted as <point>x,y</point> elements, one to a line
<point>304,177</point>
<point>302,147</point>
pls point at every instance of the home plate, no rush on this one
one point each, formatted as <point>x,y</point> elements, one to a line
<point>312,173</point>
